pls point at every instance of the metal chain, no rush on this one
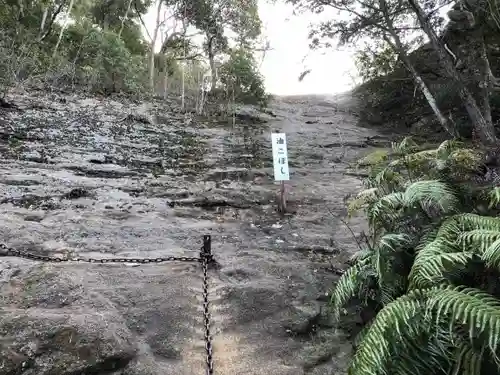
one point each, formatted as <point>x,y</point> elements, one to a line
<point>206,317</point>
<point>8,251</point>
<point>205,258</point>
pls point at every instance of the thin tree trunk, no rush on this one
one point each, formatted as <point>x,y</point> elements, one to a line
<point>397,45</point>
<point>486,84</point>
<point>443,121</point>
<point>211,61</point>
<point>152,49</point>
<point>44,19</point>
<point>484,130</point>
<point>125,18</point>
<point>184,31</point>
<point>165,84</point>
<point>63,28</point>
<point>51,21</point>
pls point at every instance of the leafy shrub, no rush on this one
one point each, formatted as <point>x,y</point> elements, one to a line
<point>106,64</point>
<point>241,78</point>
<point>430,266</point>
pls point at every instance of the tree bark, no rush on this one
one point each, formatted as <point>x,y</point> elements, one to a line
<point>484,130</point>
<point>445,123</point>
<point>44,19</point>
<point>397,45</point>
<point>165,84</point>
<point>63,28</point>
<point>211,60</point>
<point>47,29</point>
<point>152,49</point>
<point>124,18</point>
<point>486,83</point>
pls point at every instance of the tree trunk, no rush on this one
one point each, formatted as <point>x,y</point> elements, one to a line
<point>445,123</point>
<point>44,19</point>
<point>484,130</point>
<point>48,27</point>
<point>63,28</point>
<point>397,45</point>
<point>184,31</point>
<point>165,84</point>
<point>125,18</point>
<point>213,68</point>
<point>152,49</point>
<point>486,83</point>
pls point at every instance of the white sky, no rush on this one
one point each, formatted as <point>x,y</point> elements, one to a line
<point>331,72</point>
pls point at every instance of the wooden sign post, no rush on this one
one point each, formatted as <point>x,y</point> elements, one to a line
<point>280,163</point>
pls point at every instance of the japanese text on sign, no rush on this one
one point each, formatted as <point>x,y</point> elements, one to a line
<point>280,157</point>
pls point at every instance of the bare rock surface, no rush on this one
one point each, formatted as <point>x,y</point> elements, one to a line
<point>100,178</point>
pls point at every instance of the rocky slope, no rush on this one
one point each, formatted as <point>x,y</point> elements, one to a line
<point>87,177</point>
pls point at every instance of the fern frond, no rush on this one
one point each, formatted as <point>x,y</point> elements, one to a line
<point>406,146</point>
<point>415,160</point>
<point>358,339</point>
<point>494,197</point>
<point>362,199</point>
<point>393,326</point>
<point>431,194</point>
<point>388,177</point>
<point>390,285</point>
<point>477,240</point>
<point>360,255</point>
<point>431,268</point>
<point>386,208</point>
<point>452,227</point>
<point>393,241</point>
<point>492,255</point>
<point>432,261</point>
<point>474,221</point>
<point>427,354</point>
<point>447,147</point>
<point>480,311</point>
<point>426,238</point>
<point>348,286</point>
<point>466,159</point>
<point>466,359</point>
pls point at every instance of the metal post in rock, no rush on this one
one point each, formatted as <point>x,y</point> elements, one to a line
<point>206,250</point>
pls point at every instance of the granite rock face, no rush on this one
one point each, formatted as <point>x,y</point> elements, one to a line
<point>98,178</point>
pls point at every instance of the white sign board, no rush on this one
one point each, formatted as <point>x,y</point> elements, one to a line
<point>280,157</point>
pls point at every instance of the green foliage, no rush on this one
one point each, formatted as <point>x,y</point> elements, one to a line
<point>241,78</point>
<point>431,265</point>
<point>106,63</point>
<point>376,62</point>
<point>104,50</point>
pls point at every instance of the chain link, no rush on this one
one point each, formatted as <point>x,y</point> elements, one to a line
<point>205,258</point>
<point>8,251</point>
<point>206,316</point>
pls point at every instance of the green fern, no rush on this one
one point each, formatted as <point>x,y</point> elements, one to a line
<point>492,255</point>
<point>431,194</point>
<point>405,147</point>
<point>394,325</point>
<point>422,244</point>
<point>400,326</point>
<point>350,285</point>
<point>446,148</point>
<point>494,197</point>
<point>362,199</point>
<point>477,239</point>
<point>473,307</point>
